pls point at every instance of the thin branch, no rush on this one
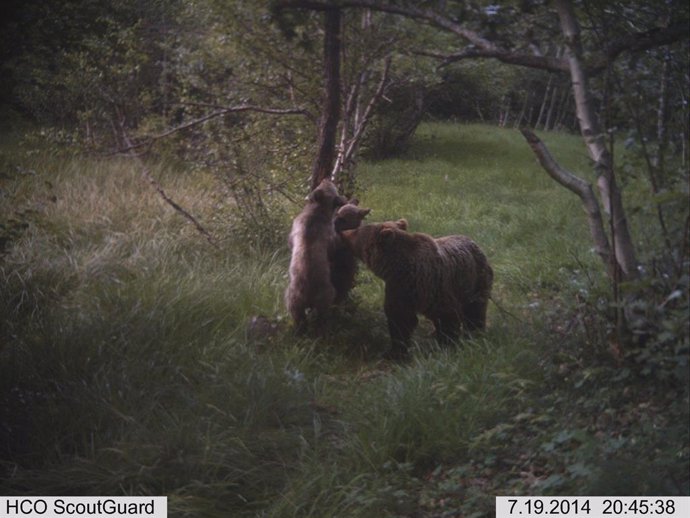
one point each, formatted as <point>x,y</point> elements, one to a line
<point>536,61</point>
<point>148,141</point>
<point>578,186</point>
<point>637,42</point>
<point>159,189</point>
<point>280,188</point>
<point>366,116</point>
<point>350,102</point>
<point>347,146</point>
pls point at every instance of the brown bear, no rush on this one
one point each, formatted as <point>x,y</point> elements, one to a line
<point>343,262</point>
<point>310,241</point>
<point>448,279</point>
<point>349,216</point>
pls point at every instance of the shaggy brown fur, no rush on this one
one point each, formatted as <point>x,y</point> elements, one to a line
<point>349,216</point>
<point>343,262</point>
<point>448,280</point>
<point>311,239</point>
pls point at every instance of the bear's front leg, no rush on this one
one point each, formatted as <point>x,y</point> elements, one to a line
<point>299,317</point>
<point>447,328</point>
<point>475,315</point>
<point>402,321</point>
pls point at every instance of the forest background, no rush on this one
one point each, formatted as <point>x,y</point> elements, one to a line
<point>153,156</point>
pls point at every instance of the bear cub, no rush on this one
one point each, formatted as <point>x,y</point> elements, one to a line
<point>447,279</point>
<point>311,241</point>
<point>343,262</point>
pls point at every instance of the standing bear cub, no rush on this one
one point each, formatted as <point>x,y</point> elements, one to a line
<point>448,279</point>
<point>311,241</point>
<point>343,262</point>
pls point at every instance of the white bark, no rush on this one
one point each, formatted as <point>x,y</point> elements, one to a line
<point>594,140</point>
<point>356,119</point>
<point>580,187</point>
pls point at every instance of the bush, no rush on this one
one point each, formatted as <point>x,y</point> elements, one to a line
<point>396,120</point>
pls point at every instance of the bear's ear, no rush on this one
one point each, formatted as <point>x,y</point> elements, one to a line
<point>316,196</point>
<point>387,234</point>
<point>353,201</point>
<point>401,224</point>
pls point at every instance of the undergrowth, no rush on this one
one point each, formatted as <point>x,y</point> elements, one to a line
<point>129,364</point>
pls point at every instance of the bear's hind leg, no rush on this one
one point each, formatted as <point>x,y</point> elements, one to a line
<point>294,302</point>
<point>475,315</point>
<point>447,328</point>
<point>321,307</point>
<point>299,316</point>
<point>402,322</point>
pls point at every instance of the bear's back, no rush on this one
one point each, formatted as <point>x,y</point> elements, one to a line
<point>470,267</point>
<point>448,272</point>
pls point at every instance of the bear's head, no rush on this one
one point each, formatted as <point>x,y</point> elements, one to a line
<point>372,242</point>
<point>326,195</point>
<point>349,216</point>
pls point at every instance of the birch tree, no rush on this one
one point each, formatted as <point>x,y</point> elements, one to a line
<point>517,44</point>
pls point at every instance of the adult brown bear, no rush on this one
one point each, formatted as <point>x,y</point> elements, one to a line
<point>311,239</point>
<point>448,279</point>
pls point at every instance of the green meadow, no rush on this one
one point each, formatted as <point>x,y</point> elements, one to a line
<point>127,366</point>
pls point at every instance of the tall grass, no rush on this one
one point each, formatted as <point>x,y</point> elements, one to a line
<point>126,365</point>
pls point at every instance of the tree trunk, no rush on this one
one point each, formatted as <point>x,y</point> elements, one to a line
<point>624,249</point>
<point>563,111</point>
<point>580,187</point>
<point>523,110</point>
<point>328,125</point>
<point>530,116</point>
<point>479,111</point>
<point>504,111</point>
<point>662,116</point>
<point>544,101</point>
<point>548,124</point>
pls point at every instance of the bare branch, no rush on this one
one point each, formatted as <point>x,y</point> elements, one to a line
<point>578,186</point>
<point>148,141</point>
<point>550,63</point>
<point>159,189</point>
<point>482,47</point>
<point>348,146</point>
<point>368,111</point>
<point>348,113</point>
<point>637,42</point>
